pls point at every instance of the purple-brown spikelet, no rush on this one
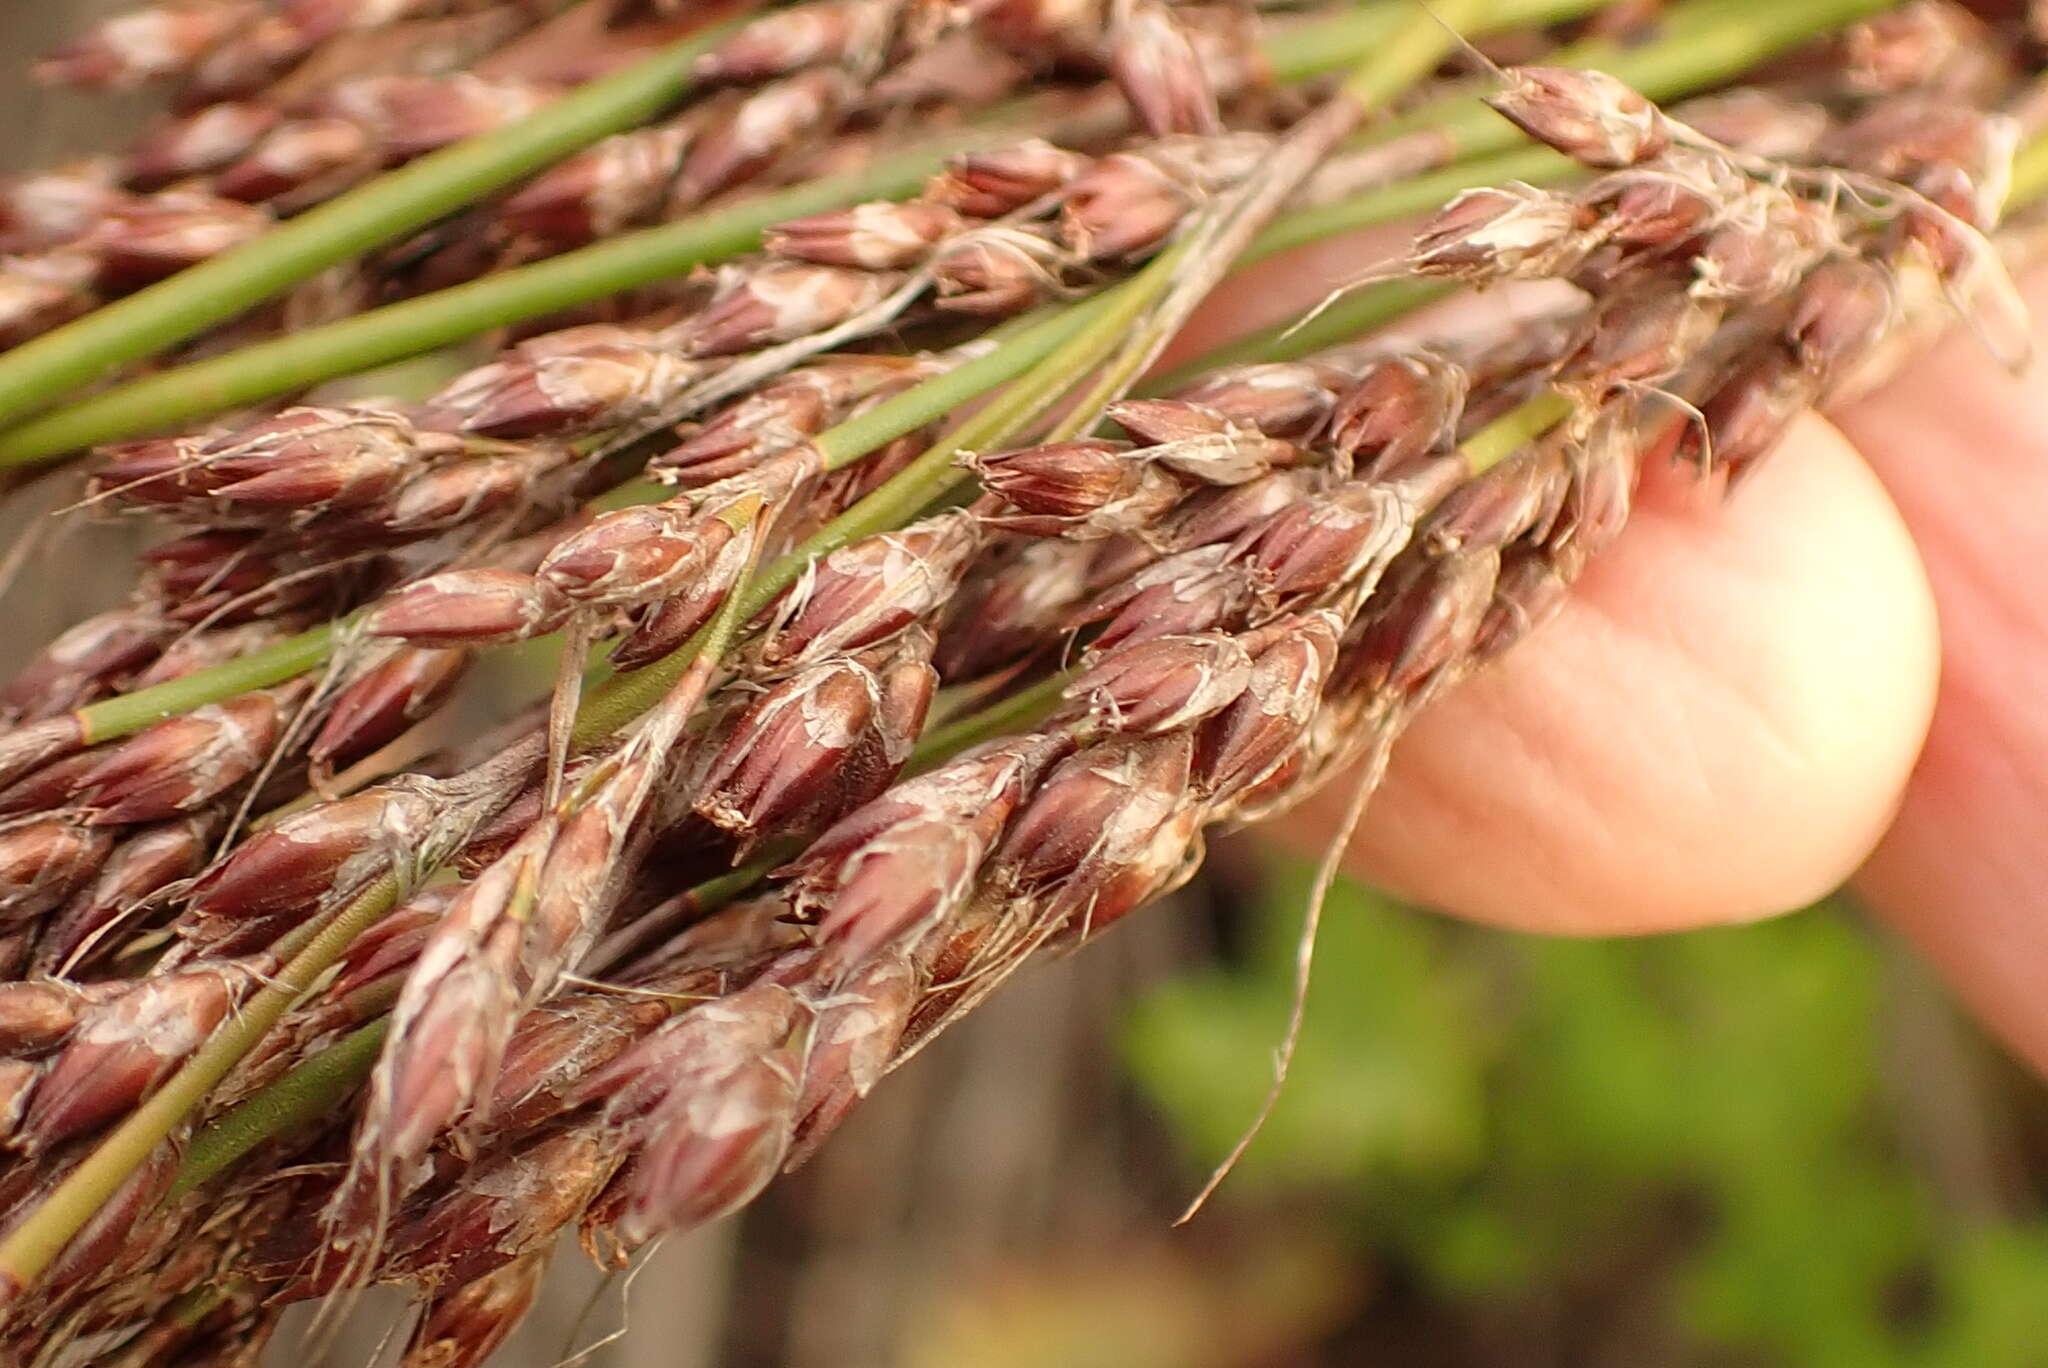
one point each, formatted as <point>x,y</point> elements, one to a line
<point>471,608</point>
<point>465,1324</point>
<point>185,762</point>
<point>378,706</point>
<point>146,44</point>
<point>1588,115</point>
<point>37,1016</point>
<point>334,846</point>
<point>85,662</point>
<point>44,860</point>
<point>42,209</point>
<point>136,873</point>
<point>561,1043</point>
<point>586,379</point>
<point>709,1101</point>
<point>511,1204</point>
<point>908,860</point>
<point>205,140</point>
<point>125,1046</point>
<point>820,743</point>
<point>638,555</point>
<point>449,1028</point>
<point>865,593</point>
<point>757,128</point>
<point>1163,684</point>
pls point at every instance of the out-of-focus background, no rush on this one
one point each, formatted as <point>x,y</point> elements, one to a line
<point>1763,1146</point>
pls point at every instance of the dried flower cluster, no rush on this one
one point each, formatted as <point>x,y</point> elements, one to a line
<point>303,989</point>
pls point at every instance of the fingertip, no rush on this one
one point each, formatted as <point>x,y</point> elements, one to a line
<point>1717,727</point>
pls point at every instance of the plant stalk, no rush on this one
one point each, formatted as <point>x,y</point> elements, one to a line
<point>304,1095</point>
<point>376,337</point>
<point>42,1234</point>
<point>38,373</point>
<point>1513,430</point>
<point>1027,347</point>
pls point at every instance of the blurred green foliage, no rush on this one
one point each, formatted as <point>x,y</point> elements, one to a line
<point>1704,1115</point>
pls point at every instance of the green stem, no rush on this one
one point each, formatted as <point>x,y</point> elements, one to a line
<point>1315,47</point>
<point>1413,50</point>
<point>1026,349</point>
<point>1702,44</point>
<point>1351,316</point>
<point>1026,401</point>
<point>42,1234</point>
<point>1021,709</point>
<point>273,664</point>
<point>935,398</point>
<point>1513,430</point>
<point>306,1094</point>
<point>378,336</point>
<point>1420,195</point>
<point>38,373</point>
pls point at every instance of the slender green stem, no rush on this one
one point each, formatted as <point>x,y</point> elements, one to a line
<point>38,373</point>
<point>1412,51</point>
<point>1513,430</point>
<point>273,664</point>
<point>1314,47</point>
<point>1021,709</point>
<point>412,326</point>
<point>1419,195</point>
<point>1026,401</point>
<point>940,395</point>
<point>1025,350</point>
<point>41,1236</point>
<point>1702,44</point>
<point>307,1093</point>
<point>1351,316</point>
